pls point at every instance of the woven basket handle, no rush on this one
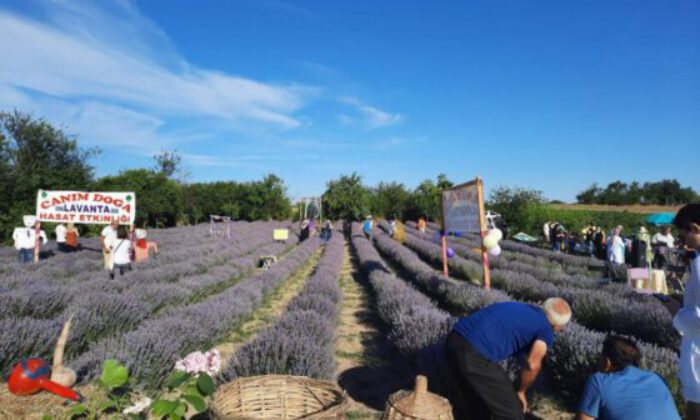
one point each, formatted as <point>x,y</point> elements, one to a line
<point>421,387</point>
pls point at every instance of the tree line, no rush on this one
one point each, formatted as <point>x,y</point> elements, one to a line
<point>667,192</point>
<point>36,155</point>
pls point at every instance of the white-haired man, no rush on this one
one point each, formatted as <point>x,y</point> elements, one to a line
<point>480,341</point>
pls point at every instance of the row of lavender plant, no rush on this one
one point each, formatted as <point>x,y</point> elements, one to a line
<point>98,314</point>
<point>151,350</point>
<point>537,267</point>
<point>576,352</point>
<point>302,341</point>
<point>645,319</point>
<point>48,301</point>
<point>414,320</point>
<point>177,258</point>
<point>418,328</point>
<point>59,264</point>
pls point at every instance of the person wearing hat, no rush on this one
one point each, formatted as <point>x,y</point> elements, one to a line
<point>644,242</point>
<point>479,342</point>
<point>143,246</point>
<point>107,236</point>
<point>367,227</point>
<point>25,239</point>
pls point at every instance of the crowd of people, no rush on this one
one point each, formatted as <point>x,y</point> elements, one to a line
<point>637,249</point>
<point>118,249</point>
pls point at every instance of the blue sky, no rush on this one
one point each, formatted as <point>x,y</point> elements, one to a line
<point>553,95</point>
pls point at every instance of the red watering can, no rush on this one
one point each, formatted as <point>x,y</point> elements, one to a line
<point>32,375</point>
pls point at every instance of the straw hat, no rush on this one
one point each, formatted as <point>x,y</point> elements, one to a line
<point>643,230</point>
<point>29,220</point>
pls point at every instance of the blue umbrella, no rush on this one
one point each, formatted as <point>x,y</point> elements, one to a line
<point>659,219</point>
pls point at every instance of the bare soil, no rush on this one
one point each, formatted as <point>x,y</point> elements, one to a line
<point>369,367</point>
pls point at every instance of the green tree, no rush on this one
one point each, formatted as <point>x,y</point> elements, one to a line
<point>424,201</point>
<point>443,183</point>
<point>158,199</point>
<point>264,200</point>
<point>346,198</point>
<point>519,207</point>
<point>665,192</point>
<point>168,162</point>
<point>35,155</point>
<point>390,199</point>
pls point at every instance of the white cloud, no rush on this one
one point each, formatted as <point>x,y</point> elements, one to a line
<point>110,75</point>
<point>66,60</point>
<point>372,117</point>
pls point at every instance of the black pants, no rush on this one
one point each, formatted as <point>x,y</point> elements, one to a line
<point>486,389</point>
<point>121,268</point>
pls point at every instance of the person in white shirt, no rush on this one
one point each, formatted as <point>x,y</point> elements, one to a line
<point>121,252</point>
<point>687,320</point>
<point>60,232</point>
<point>664,238</point>
<point>25,239</point>
<point>616,249</point>
<point>109,233</point>
<point>662,242</point>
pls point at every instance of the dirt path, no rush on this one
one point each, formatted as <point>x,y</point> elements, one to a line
<point>271,309</point>
<point>369,368</point>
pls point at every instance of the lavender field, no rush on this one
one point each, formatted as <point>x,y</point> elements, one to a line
<point>200,290</point>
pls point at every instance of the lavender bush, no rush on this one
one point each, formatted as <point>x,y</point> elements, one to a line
<point>414,321</point>
<point>302,342</point>
<point>151,350</point>
<point>577,350</point>
<point>104,308</point>
<point>596,309</point>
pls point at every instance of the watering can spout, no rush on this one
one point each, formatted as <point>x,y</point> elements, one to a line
<point>32,375</point>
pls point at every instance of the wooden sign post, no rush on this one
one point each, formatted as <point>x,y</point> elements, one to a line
<point>37,245</point>
<point>462,210</point>
<point>482,226</point>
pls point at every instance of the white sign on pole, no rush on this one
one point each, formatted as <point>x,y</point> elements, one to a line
<point>86,207</point>
<point>460,209</point>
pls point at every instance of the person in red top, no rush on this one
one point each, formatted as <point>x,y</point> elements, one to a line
<point>143,246</point>
<point>72,237</point>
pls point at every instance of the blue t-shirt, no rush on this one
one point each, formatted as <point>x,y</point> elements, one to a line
<point>631,393</point>
<point>505,329</point>
<point>367,226</point>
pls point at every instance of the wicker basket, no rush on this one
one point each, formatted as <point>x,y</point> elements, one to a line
<point>417,404</point>
<point>279,397</point>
